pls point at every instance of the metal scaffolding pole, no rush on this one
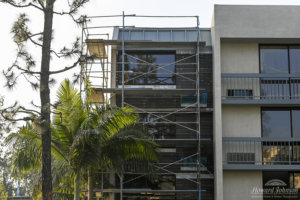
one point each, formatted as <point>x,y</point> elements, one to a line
<point>194,108</point>
<point>123,57</point>
<point>123,82</point>
<point>198,111</point>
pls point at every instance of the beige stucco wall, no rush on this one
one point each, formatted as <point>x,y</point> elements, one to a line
<point>238,184</point>
<point>243,24</point>
<point>239,58</point>
<point>241,121</point>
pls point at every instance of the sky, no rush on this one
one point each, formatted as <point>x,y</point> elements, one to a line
<point>65,31</point>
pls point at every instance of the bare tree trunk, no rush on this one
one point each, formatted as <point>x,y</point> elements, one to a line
<point>90,184</point>
<point>45,102</point>
<point>77,186</point>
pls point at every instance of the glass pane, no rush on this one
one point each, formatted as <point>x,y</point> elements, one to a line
<point>295,59</point>
<point>296,123</point>
<point>276,124</point>
<point>296,183</point>
<point>144,68</point>
<point>135,68</point>
<point>162,69</point>
<point>274,59</point>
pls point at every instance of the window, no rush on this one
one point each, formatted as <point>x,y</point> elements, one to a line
<point>274,59</point>
<point>276,123</point>
<point>296,123</point>
<point>281,124</point>
<point>294,55</point>
<point>280,59</point>
<point>148,68</point>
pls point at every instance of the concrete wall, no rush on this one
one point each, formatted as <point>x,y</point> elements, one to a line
<point>244,21</point>
<point>239,57</point>
<point>217,117</point>
<point>241,121</point>
<point>238,184</point>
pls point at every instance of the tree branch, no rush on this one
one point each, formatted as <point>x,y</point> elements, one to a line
<point>25,70</point>
<point>9,113</point>
<point>67,68</point>
<point>38,44</point>
<point>41,4</point>
<point>74,7</point>
<point>28,110</point>
<point>17,120</point>
<point>12,3</point>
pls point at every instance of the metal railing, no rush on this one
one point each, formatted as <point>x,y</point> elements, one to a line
<point>261,151</point>
<point>261,86</point>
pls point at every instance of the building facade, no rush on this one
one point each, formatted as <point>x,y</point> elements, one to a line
<point>160,82</point>
<point>165,74</point>
<point>256,94</point>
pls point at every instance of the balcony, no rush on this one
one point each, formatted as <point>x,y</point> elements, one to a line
<point>262,89</point>
<point>254,153</point>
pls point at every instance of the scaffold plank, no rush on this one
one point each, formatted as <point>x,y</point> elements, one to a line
<point>144,43</point>
<point>97,49</point>
<point>149,91</point>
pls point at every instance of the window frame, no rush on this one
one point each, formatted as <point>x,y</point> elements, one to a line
<point>290,109</point>
<point>146,77</point>
<point>270,45</point>
<point>291,81</point>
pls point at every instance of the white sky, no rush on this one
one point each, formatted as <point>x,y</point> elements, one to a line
<point>65,31</point>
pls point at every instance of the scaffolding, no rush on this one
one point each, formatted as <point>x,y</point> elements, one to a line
<point>112,83</point>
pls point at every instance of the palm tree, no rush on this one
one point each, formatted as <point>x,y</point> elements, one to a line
<point>84,136</point>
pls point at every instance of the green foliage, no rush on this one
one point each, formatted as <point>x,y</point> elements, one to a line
<point>3,192</point>
<point>84,137</point>
<point>27,145</point>
<point>20,29</point>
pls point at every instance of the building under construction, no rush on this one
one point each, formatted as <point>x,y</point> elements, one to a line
<point>164,73</point>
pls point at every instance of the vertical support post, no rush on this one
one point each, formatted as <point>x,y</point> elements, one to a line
<point>199,197</point>
<point>80,76</point>
<point>18,189</point>
<point>102,63</point>
<point>290,159</point>
<point>123,56</point>
<point>102,194</point>
<point>121,186</point>
<point>85,62</point>
<point>198,109</point>
<point>123,82</point>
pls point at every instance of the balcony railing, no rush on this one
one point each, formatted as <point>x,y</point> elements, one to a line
<point>261,88</point>
<point>261,153</point>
